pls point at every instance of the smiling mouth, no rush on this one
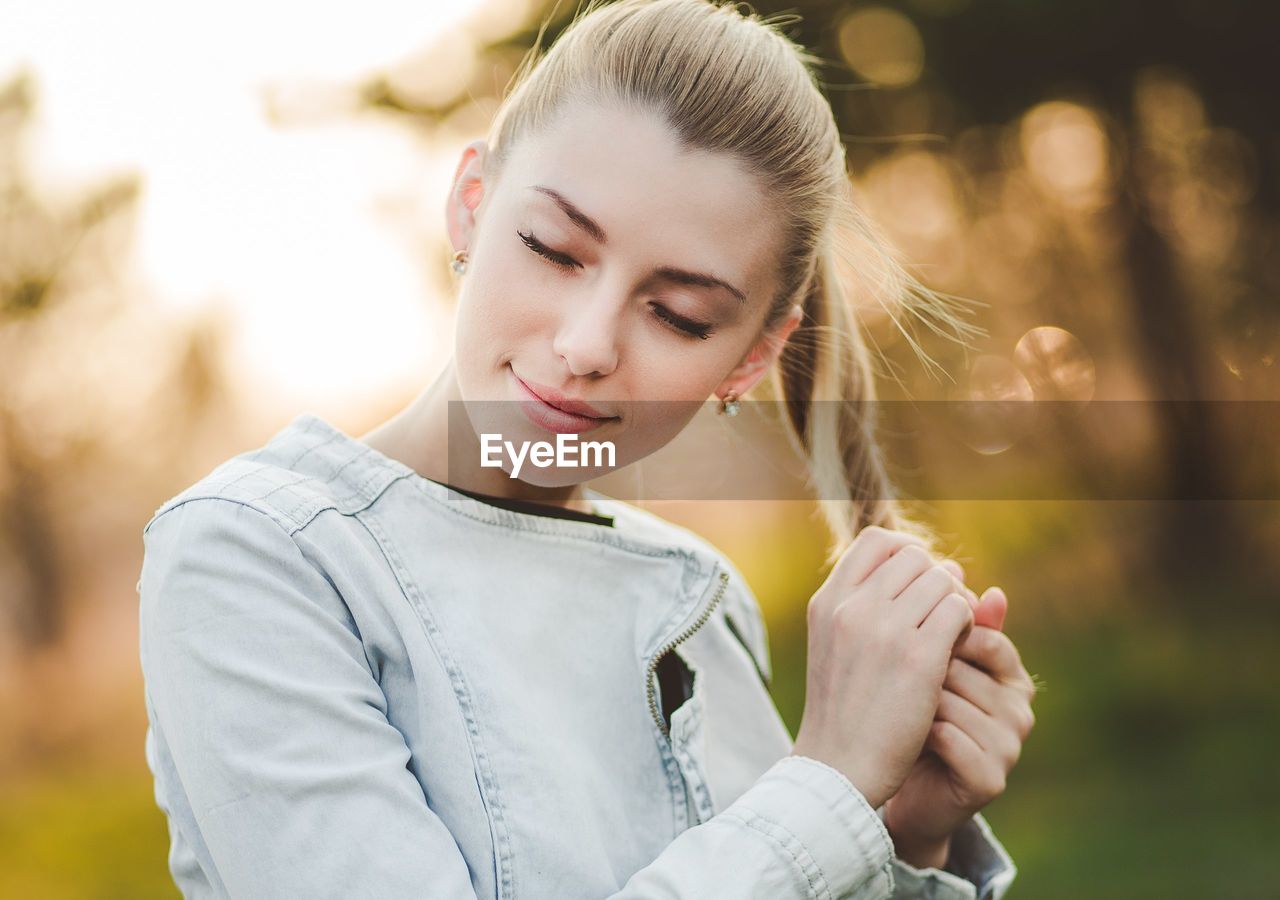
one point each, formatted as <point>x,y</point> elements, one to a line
<point>574,410</point>
<point>546,414</point>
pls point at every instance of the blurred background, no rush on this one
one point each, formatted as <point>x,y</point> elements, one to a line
<point>212,219</point>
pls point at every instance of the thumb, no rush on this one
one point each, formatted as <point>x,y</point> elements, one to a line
<point>991,609</point>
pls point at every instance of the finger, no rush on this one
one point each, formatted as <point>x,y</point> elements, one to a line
<point>957,749</point>
<point>958,571</point>
<point>992,608</point>
<point>899,571</point>
<point>947,622</point>
<point>913,605</point>
<point>871,547</point>
<point>977,770</point>
<point>974,685</point>
<point>994,652</point>
<point>953,567</point>
<point>1004,703</point>
<point>968,718</point>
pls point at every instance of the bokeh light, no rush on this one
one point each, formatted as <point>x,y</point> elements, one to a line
<point>1065,147</point>
<point>882,45</point>
<point>1055,364</point>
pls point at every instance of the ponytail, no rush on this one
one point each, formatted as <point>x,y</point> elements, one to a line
<point>828,388</point>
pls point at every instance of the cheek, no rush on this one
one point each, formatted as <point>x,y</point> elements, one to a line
<point>652,427</point>
<point>674,371</point>
<point>496,317</point>
<point>666,398</point>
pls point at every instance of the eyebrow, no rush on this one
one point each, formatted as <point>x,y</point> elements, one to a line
<point>670,273</point>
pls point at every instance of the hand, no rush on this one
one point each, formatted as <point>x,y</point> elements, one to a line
<point>982,721</point>
<point>881,632</point>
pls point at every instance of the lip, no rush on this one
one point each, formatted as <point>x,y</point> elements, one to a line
<point>556,412</point>
<point>563,402</point>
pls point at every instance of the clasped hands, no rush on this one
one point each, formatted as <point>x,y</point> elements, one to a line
<point>982,720</point>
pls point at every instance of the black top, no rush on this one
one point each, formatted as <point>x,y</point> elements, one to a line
<point>535,509</point>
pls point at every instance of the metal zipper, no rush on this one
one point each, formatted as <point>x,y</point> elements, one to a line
<point>683,636</point>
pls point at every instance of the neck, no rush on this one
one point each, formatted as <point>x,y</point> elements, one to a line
<point>420,436</point>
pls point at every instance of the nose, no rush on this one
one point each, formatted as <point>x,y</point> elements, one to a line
<point>587,337</point>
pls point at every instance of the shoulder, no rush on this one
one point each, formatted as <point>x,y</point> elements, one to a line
<point>306,467</point>
<point>229,544</point>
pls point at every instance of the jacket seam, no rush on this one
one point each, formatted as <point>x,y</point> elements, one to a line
<point>819,889</point>
<point>490,789</point>
<point>291,522</point>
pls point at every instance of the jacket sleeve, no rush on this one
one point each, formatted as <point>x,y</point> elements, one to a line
<point>273,721</point>
<point>300,786</point>
<point>978,867</point>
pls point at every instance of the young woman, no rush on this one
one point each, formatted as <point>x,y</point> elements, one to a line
<point>379,668</point>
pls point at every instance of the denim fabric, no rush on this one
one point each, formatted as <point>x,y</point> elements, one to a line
<point>361,683</point>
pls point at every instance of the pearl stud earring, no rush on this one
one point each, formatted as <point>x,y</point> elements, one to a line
<point>730,406</point>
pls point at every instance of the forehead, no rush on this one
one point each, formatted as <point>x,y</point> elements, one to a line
<point>657,202</point>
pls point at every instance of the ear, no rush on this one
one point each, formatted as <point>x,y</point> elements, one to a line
<point>465,195</point>
<point>758,360</point>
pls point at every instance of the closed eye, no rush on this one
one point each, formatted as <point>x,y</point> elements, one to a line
<point>681,324</point>
<point>554,257</point>
<point>685,327</point>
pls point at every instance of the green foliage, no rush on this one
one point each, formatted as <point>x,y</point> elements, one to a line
<point>86,834</point>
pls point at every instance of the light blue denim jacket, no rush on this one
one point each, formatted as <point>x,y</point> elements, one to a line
<point>361,683</point>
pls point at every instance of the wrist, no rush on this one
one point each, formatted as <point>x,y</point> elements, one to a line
<point>874,793</point>
<point>924,855</point>
<point>920,851</point>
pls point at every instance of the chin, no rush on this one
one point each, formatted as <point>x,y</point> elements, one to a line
<point>550,478</point>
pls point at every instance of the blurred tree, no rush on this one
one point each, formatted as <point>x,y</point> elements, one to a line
<point>58,416</point>
<point>37,250</point>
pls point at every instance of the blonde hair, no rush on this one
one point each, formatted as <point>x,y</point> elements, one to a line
<point>733,83</point>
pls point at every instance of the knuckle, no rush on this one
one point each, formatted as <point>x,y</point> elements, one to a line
<point>944,732</point>
<point>1003,644</point>
<point>957,606</point>
<point>940,579</point>
<point>1027,722</point>
<point>986,642</point>
<point>871,534</point>
<point>816,612</point>
<point>1012,750</point>
<point>843,621</point>
<point>813,618</point>
<point>915,553</point>
<point>855,632</point>
<point>820,602</point>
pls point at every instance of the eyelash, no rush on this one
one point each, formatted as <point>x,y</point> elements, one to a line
<point>686,327</point>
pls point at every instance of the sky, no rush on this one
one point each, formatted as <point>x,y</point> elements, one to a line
<point>315,236</point>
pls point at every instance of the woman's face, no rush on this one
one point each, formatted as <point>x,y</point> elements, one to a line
<point>611,267</point>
